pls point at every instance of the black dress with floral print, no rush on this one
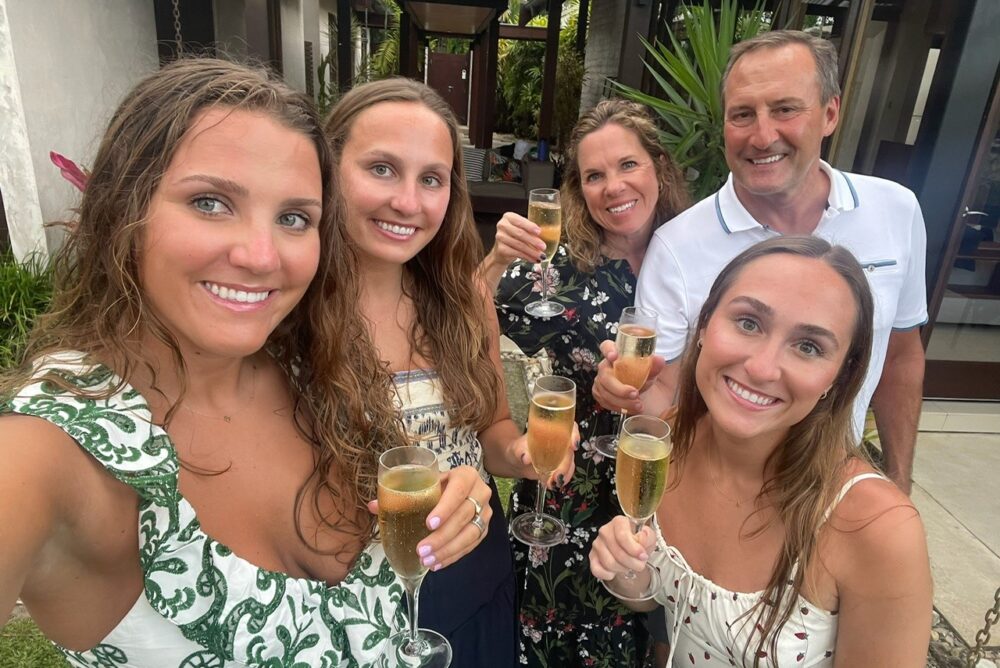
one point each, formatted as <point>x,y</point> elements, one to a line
<point>567,617</point>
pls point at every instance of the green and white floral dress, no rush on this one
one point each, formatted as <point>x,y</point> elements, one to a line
<point>203,606</point>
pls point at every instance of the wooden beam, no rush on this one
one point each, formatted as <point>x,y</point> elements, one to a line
<point>345,49</point>
<point>639,17</point>
<point>581,27</point>
<point>484,85</point>
<point>528,33</point>
<point>549,71</point>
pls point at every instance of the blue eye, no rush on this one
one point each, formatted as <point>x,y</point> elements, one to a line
<point>809,348</point>
<point>748,325</point>
<point>432,181</point>
<point>209,205</point>
<point>592,177</point>
<point>629,164</point>
<point>294,220</point>
<point>381,170</point>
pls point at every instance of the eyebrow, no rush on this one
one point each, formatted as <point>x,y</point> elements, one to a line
<point>230,187</point>
<point>811,330</point>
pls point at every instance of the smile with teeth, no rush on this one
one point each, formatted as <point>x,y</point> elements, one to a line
<point>238,296</point>
<point>752,397</point>
<point>622,207</point>
<point>401,230</point>
<point>768,160</point>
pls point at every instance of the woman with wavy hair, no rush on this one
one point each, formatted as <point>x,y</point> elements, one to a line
<point>620,185</point>
<point>399,167</point>
<point>778,543</point>
<point>187,452</point>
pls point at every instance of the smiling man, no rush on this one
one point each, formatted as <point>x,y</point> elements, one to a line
<point>781,100</point>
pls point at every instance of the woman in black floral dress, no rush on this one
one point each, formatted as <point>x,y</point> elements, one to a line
<point>619,186</point>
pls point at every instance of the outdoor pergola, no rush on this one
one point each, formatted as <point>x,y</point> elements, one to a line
<point>479,22</point>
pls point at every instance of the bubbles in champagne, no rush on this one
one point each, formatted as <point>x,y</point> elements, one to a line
<point>641,473</point>
<point>550,427</point>
<point>548,217</point>
<point>635,345</point>
<point>406,496</point>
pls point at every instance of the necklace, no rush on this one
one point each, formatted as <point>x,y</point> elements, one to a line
<point>228,418</point>
<point>711,472</point>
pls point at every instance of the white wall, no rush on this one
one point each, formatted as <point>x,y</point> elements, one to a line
<point>75,60</point>
<point>293,60</point>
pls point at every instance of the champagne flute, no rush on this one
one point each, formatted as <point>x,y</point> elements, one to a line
<point>408,489</point>
<point>550,428</point>
<point>636,342</point>
<point>544,210</point>
<point>640,480</point>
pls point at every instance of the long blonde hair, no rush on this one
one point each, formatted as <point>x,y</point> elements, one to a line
<point>584,237</point>
<point>451,328</point>
<point>808,462</point>
<point>341,406</point>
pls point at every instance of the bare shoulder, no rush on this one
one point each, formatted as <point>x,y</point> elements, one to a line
<point>876,536</point>
<point>33,450</point>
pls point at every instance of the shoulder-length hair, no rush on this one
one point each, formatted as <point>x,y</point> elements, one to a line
<point>451,328</point>
<point>99,308</point>
<point>807,463</point>
<point>584,237</point>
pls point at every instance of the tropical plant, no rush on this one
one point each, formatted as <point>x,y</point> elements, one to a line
<point>688,73</point>
<point>519,78</point>
<point>25,292</point>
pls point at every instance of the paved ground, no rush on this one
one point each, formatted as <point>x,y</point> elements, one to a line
<point>956,479</point>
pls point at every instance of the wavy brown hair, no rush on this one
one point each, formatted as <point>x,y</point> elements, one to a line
<point>99,308</point>
<point>451,328</point>
<point>808,463</point>
<point>584,237</point>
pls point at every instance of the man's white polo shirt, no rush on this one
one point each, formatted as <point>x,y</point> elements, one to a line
<point>879,221</point>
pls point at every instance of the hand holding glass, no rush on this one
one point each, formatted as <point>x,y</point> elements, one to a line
<point>550,428</point>
<point>640,480</point>
<point>635,343</point>
<point>545,211</point>
<point>408,489</point>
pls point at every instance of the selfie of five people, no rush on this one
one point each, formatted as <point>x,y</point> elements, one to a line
<point>263,419</point>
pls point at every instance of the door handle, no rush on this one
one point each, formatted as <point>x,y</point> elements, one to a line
<point>968,212</point>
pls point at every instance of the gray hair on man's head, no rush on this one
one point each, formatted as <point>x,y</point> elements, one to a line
<point>823,52</point>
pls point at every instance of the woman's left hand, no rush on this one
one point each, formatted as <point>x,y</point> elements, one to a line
<point>562,474</point>
<point>453,532</point>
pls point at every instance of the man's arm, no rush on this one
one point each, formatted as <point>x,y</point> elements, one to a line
<point>897,402</point>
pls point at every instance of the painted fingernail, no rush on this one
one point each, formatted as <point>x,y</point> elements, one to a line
<point>644,556</point>
<point>434,522</point>
<point>437,567</point>
<point>561,479</point>
<point>424,550</point>
<point>541,257</point>
<point>428,561</point>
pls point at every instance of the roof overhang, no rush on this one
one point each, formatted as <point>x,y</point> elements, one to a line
<point>453,17</point>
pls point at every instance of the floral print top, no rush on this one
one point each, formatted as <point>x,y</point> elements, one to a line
<point>567,617</point>
<point>202,605</point>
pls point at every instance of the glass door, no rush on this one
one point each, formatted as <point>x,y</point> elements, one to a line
<point>963,351</point>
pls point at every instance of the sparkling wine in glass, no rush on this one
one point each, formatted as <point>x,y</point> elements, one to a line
<point>550,428</point>
<point>640,480</point>
<point>545,211</point>
<point>636,343</point>
<point>408,489</point>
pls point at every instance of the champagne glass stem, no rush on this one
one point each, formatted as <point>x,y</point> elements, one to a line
<point>412,601</point>
<point>636,528</point>
<point>621,424</point>
<point>545,284</point>
<point>539,506</point>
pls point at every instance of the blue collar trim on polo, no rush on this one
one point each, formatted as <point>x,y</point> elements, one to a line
<point>733,216</point>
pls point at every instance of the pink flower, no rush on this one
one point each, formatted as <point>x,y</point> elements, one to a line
<point>69,170</point>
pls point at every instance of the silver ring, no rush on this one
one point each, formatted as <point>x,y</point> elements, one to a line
<point>475,504</point>
<point>477,522</point>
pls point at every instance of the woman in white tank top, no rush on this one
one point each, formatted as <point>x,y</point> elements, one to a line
<point>778,543</point>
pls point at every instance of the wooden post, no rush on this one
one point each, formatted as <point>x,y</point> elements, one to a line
<point>549,71</point>
<point>345,49</point>
<point>581,27</point>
